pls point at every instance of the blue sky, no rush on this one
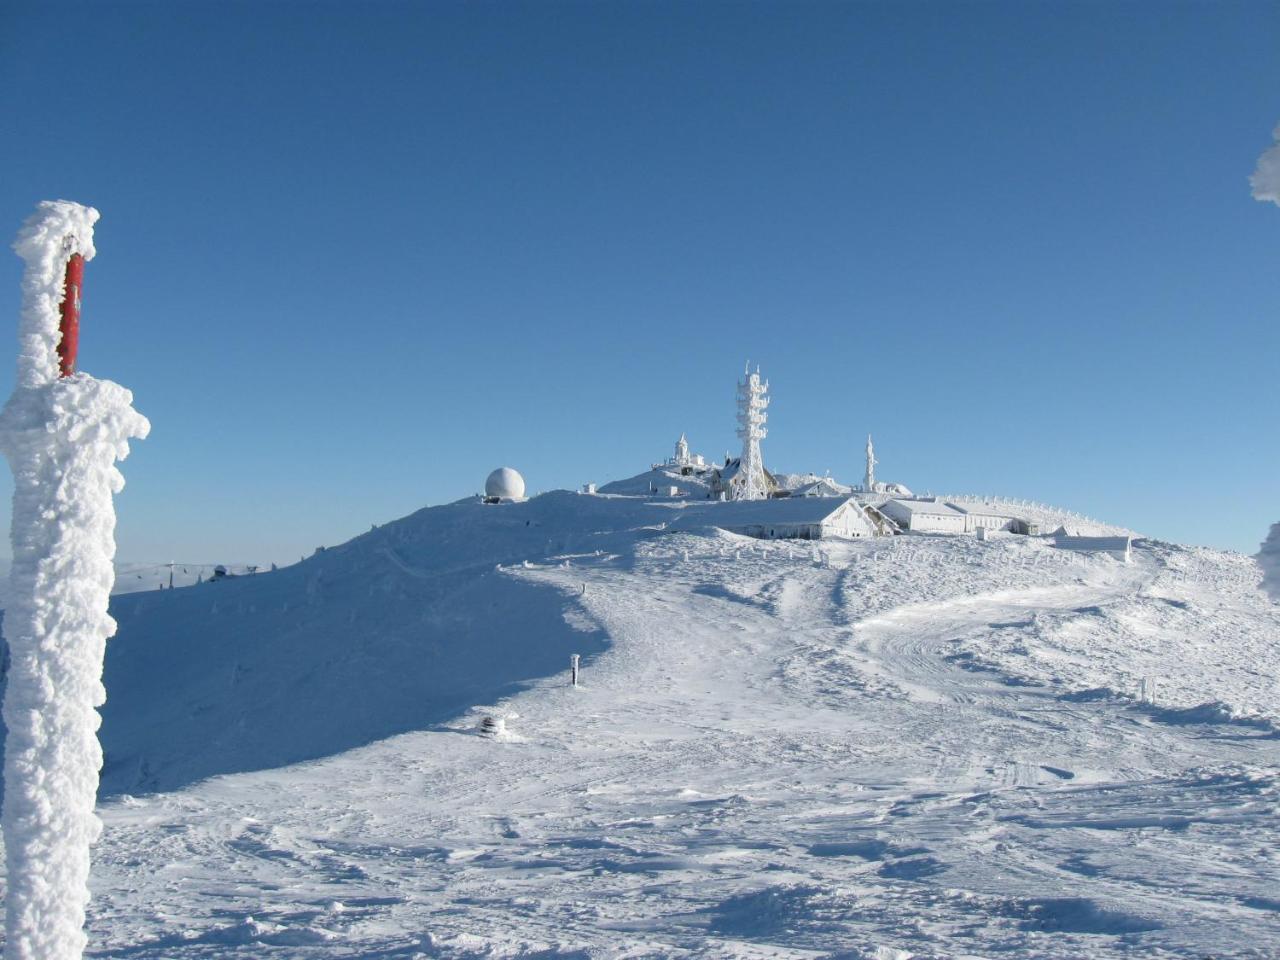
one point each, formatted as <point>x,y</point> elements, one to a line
<point>353,256</point>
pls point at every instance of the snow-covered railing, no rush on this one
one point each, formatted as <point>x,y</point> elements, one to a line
<point>994,499</point>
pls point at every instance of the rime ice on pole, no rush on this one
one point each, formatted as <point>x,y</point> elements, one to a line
<point>62,438</point>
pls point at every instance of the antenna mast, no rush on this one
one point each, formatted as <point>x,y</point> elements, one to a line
<point>753,399</point>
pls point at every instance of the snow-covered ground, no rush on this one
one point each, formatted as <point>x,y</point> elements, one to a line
<point>134,576</point>
<point>924,746</point>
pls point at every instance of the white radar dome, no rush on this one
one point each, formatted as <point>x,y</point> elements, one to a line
<point>505,484</point>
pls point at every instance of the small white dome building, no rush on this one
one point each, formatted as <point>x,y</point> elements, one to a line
<point>504,484</point>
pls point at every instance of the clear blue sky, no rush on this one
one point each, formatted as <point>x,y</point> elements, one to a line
<point>353,256</point>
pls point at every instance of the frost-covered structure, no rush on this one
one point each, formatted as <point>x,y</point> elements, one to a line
<point>869,480</point>
<point>684,461</point>
<point>1269,560</point>
<point>505,483</point>
<point>872,486</point>
<point>753,401</point>
<point>1266,177</point>
<point>785,518</point>
<point>822,487</point>
<point>62,438</point>
<point>683,458</point>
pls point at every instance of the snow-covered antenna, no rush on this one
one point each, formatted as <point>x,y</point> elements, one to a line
<point>753,400</point>
<point>62,433</point>
<point>869,481</point>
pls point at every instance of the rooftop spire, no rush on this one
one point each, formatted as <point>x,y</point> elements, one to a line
<point>869,481</point>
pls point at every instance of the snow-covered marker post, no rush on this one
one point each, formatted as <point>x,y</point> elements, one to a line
<point>62,432</point>
<point>573,667</point>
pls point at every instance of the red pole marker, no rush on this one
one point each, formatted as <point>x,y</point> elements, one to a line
<point>70,325</point>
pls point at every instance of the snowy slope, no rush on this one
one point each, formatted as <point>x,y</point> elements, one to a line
<point>134,576</point>
<point>395,630</point>
<point>137,576</point>
<point>925,745</point>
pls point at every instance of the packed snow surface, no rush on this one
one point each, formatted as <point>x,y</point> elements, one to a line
<point>917,746</point>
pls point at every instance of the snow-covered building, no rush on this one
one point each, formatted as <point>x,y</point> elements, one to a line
<point>786,518</point>
<point>685,461</point>
<point>726,481</point>
<point>979,516</point>
<point>1119,547</point>
<point>822,487</point>
<point>925,516</point>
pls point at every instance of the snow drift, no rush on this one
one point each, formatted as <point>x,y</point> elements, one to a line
<point>399,629</point>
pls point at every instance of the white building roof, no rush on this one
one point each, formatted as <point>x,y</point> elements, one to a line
<point>981,510</point>
<point>744,513</point>
<point>932,508</point>
<point>822,487</point>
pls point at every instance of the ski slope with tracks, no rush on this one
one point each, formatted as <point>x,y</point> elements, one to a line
<point>919,746</point>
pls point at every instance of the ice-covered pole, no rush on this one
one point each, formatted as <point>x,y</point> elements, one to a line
<point>62,436</point>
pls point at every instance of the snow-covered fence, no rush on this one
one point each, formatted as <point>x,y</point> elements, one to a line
<point>1015,502</point>
<point>62,436</point>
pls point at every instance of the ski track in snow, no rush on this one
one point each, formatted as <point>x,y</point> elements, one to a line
<point>922,746</point>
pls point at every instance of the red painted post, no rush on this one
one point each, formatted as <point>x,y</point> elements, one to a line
<point>70,325</point>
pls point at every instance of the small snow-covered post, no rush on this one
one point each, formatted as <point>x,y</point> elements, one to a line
<point>573,667</point>
<point>62,433</point>
<point>1148,691</point>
